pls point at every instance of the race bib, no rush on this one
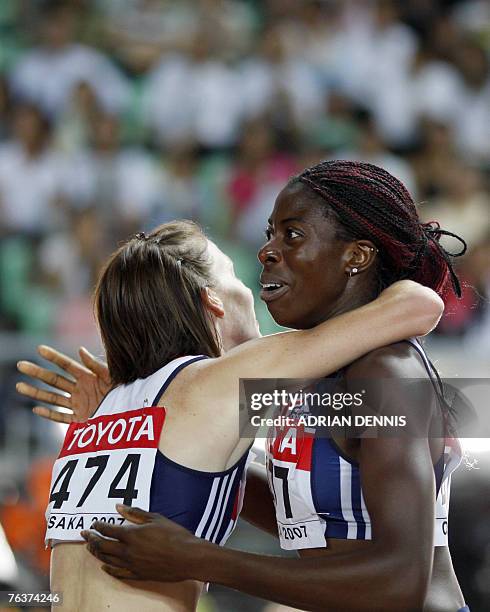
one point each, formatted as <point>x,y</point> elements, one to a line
<point>289,471</point>
<point>309,533</point>
<point>442,514</point>
<point>452,459</point>
<point>105,461</point>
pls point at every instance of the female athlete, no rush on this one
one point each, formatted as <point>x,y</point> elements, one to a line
<point>179,331</point>
<point>372,512</point>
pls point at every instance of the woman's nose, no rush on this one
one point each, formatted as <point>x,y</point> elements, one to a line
<point>268,254</point>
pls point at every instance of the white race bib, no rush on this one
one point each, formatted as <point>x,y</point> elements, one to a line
<point>105,461</point>
<point>309,533</point>
<point>288,467</point>
<point>442,514</point>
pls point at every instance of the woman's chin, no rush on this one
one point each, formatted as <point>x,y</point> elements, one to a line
<point>283,319</point>
<point>289,320</point>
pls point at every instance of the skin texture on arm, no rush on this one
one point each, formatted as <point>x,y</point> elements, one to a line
<point>213,384</point>
<point>390,573</point>
<point>404,309</point>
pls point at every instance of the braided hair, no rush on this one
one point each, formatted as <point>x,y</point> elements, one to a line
<point>369,203</point>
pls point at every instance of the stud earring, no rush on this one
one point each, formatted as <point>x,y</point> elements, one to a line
<point>353,271</point>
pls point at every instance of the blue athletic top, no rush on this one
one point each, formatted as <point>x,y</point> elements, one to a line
<point>114,458</point>
<point>206,503</point>
<point>318,493</point>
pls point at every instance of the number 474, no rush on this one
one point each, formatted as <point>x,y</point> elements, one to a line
<point>127,494</point>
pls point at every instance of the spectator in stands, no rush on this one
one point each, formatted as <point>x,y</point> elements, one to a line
<point>75,123</point>
<point>47,74</point>
<point>336,130</point>
<point>471,126</point>
<point>373,55</point>
<point>256,179</point>
<point>119,181</point>
<point>278,83</point>
<point>5,109</point>
<point>180,193</point>
<point>194,96</point>
<point>433,89</point>
<point>433,156</point>
<point>31,175</point>
<point>146,29</point>
<point>370,148</point>
<point>463,205</point>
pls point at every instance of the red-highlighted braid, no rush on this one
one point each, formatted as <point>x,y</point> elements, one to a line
<point>369,203</point>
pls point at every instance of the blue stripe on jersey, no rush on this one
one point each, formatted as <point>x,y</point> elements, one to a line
<point>325,486</point>
<point>356,504</point>
<point>226,523</point>
<point>337,493</point>
<point>200,501</point>
<point>200,530</point>
<point>215,507</point>
<point>346,498</point>
<point>220,505</point>
<point>439,471</point>
<point>225,508</point>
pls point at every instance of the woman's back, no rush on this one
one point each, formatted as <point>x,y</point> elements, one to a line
<point>116,457</point>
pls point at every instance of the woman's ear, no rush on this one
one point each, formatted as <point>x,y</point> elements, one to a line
<point>212,302</point>
<point>360,255</point>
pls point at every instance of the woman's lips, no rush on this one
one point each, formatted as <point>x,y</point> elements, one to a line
<point>274,294</point>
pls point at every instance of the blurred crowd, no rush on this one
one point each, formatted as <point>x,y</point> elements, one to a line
<point>117,115</point>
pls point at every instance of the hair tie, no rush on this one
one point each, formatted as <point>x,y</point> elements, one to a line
<point>432,231</point>
<point>141,236</point>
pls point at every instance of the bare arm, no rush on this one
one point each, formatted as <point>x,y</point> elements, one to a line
<point>391,573</point>
<point>405,309</point>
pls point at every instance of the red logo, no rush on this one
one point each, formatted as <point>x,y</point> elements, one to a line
<point>132,429</point>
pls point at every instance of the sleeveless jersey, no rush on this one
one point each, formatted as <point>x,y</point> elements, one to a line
<point>114,458</point>
<point>317,489</point>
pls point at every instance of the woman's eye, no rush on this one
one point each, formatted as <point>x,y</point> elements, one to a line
<point>268,233</point>
<point>291,233</point>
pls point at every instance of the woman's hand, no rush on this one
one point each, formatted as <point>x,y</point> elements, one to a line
<point>82,389</point>
<point>153,548</point>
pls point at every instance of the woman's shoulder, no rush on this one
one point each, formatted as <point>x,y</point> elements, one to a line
<point>395,381</point>
<point>398,360</point>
